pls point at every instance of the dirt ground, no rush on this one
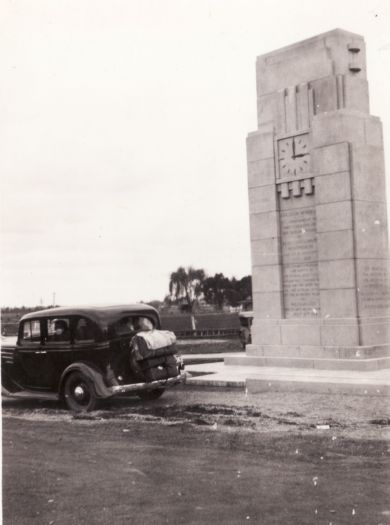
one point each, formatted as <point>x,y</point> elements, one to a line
<point>199,456</point>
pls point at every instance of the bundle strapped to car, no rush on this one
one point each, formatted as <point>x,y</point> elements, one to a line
<point>152,355</point>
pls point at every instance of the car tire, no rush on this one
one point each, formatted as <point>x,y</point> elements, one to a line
<point>79,393</point>
<point>150,395</point>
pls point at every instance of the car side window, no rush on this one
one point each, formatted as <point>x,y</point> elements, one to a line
<point>57,330</point>
<point>31,332</point>
<point>84,330</point>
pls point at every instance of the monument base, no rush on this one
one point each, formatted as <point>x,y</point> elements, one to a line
<point>359,358</point>
<point>344,344</point>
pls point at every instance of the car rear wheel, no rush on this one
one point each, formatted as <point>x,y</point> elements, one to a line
<point>79,393</point>
<point>150,395</point>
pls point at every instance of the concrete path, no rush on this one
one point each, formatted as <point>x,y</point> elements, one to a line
<point>261,379</point>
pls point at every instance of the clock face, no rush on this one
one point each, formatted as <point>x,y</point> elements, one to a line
<point>293,155</point>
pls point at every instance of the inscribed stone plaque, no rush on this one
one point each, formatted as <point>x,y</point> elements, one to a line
<point>374,290</point>
<point>299,258</point>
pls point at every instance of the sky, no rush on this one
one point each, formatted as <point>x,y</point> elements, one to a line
<point>122,136</point>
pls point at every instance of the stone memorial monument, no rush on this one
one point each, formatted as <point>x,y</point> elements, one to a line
<point>318,222</point>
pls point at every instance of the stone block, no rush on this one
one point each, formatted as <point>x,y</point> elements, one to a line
<point>373,131</point>
<point>261,172</point>
<point>267,107</point>
<point>262,199</point>
<point>340,335</point>
<point>266,334</point>
<point>290,66</point>
<point>288,362</point>
<point>335,245</point>
<point>324,94</point>
<point>376,332</point>
<point>267,305</point>
<point>333,188</point>
<point>330,159</point>
<point>338,126</point>
<point>334,216</point>
<point>338,303</point>
<point>368,173</point>
<point>260,146</point>
<point>356,93</point>
<point>371,237</point>
<point>306,351</point>
<point>303,107</point>
<point>265,252</point>
<point>301,334</point>
<point>266,278</point>
<point>339,44</point>
<point>352,364</point>
<point>336,274</point>
<point>303,201</point>
<point>264,225</point>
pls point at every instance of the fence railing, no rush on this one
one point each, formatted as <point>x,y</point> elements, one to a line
<point>226,333</point>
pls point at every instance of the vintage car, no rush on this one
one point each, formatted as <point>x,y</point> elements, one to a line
<point>85,354</point>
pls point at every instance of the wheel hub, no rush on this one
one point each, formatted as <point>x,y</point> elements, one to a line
<point>79,392</point>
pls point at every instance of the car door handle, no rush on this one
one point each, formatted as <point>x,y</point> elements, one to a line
<point>41,352</point>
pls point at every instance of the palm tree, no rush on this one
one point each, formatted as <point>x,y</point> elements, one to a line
<point>187,284</point>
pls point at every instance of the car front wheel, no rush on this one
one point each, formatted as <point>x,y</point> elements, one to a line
<point>79,393</point>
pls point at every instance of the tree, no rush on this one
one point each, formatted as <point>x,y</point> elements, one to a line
<point>245,287</point>
<point>214,289</point>
<point>186,283</point>
<point>220,290</point>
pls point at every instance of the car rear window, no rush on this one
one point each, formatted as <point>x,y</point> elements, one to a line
<point>31,332</point>
<point>130,324</point>
<point>126,326</point>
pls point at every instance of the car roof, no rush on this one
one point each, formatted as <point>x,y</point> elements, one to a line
<point>100,314</point>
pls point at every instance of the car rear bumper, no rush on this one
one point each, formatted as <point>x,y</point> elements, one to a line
<point>136,387</point>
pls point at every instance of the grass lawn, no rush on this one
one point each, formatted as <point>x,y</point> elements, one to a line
<point>208,346</point>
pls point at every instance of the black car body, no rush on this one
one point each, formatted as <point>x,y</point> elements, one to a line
<point>84,354</point>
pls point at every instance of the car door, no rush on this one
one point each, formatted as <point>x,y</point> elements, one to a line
<point>86,348</point>
<point>57,350</point>
<point>30,356</point>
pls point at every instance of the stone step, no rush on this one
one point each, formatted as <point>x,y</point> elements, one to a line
<point>321,352</point>
<point>317,363</point>
<point>258,379</point>
<point>318,386</point>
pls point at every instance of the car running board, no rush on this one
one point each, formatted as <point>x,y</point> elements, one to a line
<point>30,394</point>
